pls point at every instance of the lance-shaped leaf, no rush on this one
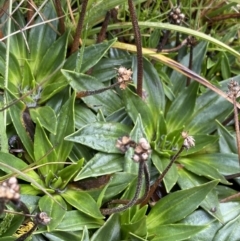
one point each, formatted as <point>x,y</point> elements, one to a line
<point>75,220</point>
<point>65,126</point>
<point>16,113</point>
<point>198,167</point>
<point>109,231</point>
<point>210,203</point>
<point>101,164</point>
<point>53,210</point>
<point>175,232</point>
<point>42,146</point>
<point>101,136</point>
<point>83,202</point>
<point>108,101</point>
<point>135,106</point>
<point>176,206</point>
<point>182,108</point>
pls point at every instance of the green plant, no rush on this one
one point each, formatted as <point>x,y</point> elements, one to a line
<point>71,167</point>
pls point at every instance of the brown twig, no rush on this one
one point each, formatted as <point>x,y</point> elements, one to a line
<point>77,36</point>
<point>237,195</point>
<point>60,14</point>
<point>236,125</point>
<point>163,42</point>
<point>160,178</point>
<point>190,64</point>
<point>138,43</point>
<point>101,36</point>
<point>108,211</point>
<point>224,17</point>
<point>30,12</point>
<point>147,188</point>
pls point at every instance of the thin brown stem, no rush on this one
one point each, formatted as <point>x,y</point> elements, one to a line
<point>147,184</point>
<point>133,201</point>
<point>237,195</point>
<point>163,42</point>
<point>147,188</point>
<point>85,93</point>
<point>102,34</point>
<point>138,43</point>
<point>160,178</point>
<point>190,64</point>
<point>60,14</point>
<point>236,126</point>
<point>30,12</point>
<point>78,33</point>
<point>183,43</point>
<point>224,17</point>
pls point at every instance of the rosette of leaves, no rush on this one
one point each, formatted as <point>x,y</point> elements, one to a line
<point>161,120</point>
<point>84,133</point>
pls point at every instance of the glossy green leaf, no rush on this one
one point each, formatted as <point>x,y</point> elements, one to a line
<point>101,164</point>
<point>137,132</point>
<point>98,51</point>
<point>28,80</point>
<point>100,136</point>
<point>16,163</point>
<point>75,220</point>
<point>196,166</point>
<point>175,232</point>
<point>225,163</point>
<point>80,151</point>
<point>69,172</point>
<point>182,108</point>
<point>105,69</point>
<point>53,210</point>
<point>102,194</point>
<point>83,202</point>
<point>139,228</point>
<point>161,128</point>
<point>225,66</point>
<point>171,177</point>
<point>15,70</point>
<point>188,180</point>
<point>152,87</point>
<point>108,101</point>
<point>209,107</point>
<point>85,236</point>
<point>178,205</point>
<point>83,116</point>
<point>229,231</point>
<point>178,80</point>
<point>133,220</point>
<point>18,45</point>
<point>201,218</point>
<point>9,224</point>
<point>16,112</point>
<point>134,106</point>
<point>54,57</point>
<point>41,38</point>
<point>201,143</point>
<point>46,116</point>
<point>109,231</point>
<point>62,236</point>
<point>118,183</point>
<point>43,150</point>
<point>227,141</point>
<point>65,126</point>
